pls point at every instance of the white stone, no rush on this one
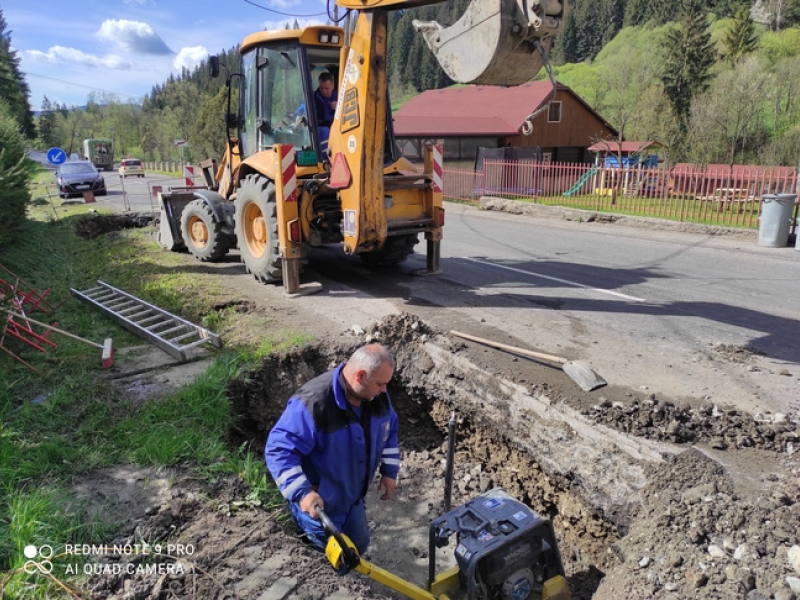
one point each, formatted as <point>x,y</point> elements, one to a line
<point>793,558</point>
<point>645,562</point>
<point>794,584</point>
<point>716,552</point>
<point>742,552</point>
<point>728,544</point>
<point>670,587</point>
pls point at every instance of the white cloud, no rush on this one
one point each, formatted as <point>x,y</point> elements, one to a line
<point>132,36</point>
<point>190,57</point>
<point>61,55</point>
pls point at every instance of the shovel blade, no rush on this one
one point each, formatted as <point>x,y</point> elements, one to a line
<point>581,373</point>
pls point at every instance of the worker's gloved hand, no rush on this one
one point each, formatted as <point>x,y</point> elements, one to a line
<point>343,569</point>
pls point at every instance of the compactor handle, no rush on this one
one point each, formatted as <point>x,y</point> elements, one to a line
<point>351,557</point>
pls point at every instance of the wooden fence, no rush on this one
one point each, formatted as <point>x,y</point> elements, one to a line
<point>712,194</point>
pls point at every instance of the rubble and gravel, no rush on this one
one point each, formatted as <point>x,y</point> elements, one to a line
<point>721,428</point>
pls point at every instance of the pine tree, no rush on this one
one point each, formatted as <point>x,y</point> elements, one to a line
<point>48,134</point>
<point>740,39</point>
<point>13,87</point>
<point>689,55</point>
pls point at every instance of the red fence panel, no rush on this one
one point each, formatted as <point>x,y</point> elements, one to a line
<point>713,194</point>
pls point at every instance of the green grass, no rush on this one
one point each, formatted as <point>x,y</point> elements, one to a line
<point>64,421</point>
<point>651,208</point>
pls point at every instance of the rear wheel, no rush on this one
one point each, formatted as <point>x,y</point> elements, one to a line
<point>202,233</point>
<point>395,250</point>
<point>256,222</point>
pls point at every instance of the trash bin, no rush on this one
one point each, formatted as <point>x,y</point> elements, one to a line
<point>775,220</point>
<point>797,234</point>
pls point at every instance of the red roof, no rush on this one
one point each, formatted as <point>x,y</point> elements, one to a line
<point>471,110</point>
<point>625,147</point>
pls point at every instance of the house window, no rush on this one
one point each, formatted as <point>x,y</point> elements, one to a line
<point>554,113</point>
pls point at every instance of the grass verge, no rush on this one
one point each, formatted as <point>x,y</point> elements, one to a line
<point>63,421</point>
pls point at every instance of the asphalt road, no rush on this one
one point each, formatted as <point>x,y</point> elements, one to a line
<point>680,314</point>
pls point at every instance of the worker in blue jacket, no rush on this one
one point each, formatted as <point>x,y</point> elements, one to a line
<point>335,432</point>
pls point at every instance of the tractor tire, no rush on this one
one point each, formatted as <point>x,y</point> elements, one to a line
<point>256,225</point>
<point>395,250</point>
<point>202,233</point>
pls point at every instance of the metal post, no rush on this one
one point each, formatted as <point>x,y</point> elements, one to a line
<point>451,450</point>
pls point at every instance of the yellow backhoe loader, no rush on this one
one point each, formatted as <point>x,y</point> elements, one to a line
<point>286,184</point>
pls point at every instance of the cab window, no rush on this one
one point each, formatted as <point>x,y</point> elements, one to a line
<point>283,108</point>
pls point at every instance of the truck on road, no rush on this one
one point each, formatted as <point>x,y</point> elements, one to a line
<point>100,153</point>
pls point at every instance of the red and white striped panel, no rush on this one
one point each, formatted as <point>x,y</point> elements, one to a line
<point>289,173</point>
<point>188,175</point>
<point>438,170</point>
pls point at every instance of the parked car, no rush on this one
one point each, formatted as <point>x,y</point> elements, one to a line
<point>131,166</point>
<point>75,177</point>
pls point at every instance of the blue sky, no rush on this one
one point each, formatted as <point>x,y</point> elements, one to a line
<point>70,48</point>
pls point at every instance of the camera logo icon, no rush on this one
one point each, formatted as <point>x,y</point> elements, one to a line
<point>38,559</point>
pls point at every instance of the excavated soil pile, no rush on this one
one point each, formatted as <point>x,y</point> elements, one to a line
<point>636,516</point>
<point>719,428</point>
<point>92,226</point>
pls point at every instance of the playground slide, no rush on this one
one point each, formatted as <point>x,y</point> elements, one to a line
<point>579,184</point>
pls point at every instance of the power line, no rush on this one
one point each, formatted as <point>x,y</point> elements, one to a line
<point>88,87</point>
<point>284,14</point>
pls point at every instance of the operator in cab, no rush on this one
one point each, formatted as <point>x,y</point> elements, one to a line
<point>336,431</point>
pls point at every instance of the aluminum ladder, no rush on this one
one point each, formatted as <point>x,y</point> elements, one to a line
<point>169,332</point>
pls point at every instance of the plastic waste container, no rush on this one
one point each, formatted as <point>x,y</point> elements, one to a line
<point>797,235</point>
<point>775,220</point>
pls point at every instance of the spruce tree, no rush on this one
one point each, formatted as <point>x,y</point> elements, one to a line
<point>689,55</point>
<point>740,38</point>
<point>13,87</point>
<point>48,131</point>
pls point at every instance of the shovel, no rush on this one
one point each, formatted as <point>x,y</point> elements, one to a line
<point>107,347</point>
<point>579,371</point>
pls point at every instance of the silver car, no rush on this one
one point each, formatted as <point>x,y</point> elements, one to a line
<point>74,178</point>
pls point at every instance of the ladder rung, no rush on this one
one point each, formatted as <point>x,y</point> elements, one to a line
<point>180,327</point>
<point>180,338</point>
<point>104,298</point>
<point>157,325</point>
<point>148,319</point>
<point>193,344</point>
<point>146,311</point>
<point>121,303</point>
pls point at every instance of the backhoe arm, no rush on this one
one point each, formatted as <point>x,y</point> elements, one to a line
<point>495,42</point>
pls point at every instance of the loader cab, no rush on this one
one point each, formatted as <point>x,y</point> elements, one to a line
<point>276,96</point>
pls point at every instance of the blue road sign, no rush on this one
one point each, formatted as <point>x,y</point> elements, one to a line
<point>56,156</point>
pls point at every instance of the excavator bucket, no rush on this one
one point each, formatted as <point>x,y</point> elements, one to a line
<point>496,42</point>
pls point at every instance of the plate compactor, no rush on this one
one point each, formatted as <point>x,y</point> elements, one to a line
<point>504,551</point>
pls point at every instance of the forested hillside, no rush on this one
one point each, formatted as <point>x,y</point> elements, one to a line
<point>714,80</point>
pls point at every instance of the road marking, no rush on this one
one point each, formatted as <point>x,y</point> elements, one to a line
<point>559,280</point>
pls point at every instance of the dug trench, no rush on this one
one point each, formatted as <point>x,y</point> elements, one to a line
<point>659,514</point>
<point>635,517</point>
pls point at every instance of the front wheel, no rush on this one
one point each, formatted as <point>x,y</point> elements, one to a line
<point>202,233</point>
<point>256,224</point>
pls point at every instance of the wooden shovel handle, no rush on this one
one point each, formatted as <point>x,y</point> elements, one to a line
<point>540,355</point>
<point>56,329</point>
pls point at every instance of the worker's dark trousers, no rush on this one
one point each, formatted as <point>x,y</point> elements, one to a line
<point>353,524</point>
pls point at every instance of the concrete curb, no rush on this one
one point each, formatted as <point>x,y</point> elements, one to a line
<point>516,207</point>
